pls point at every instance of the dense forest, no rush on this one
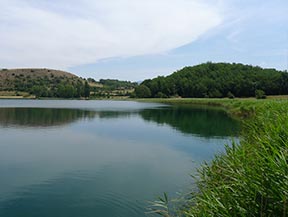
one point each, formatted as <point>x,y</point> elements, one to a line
<point>216,80</point>
<point>43,83</point>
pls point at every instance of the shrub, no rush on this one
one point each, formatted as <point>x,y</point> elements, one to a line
<point>143,91</point>
<point>230,95</point>
<point>260,94</point>
<point>161,95</point>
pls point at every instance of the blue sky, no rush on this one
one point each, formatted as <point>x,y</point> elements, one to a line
<point>135,40</point>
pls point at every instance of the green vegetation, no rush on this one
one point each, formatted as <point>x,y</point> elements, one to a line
<point>260,94</point>
<point>113,84</point>
<point>217,80</point>
<point>107,88</point>
<point>37,83</point>
<point>250,179</point>
<point>43,83</point>
<point>142,91</point>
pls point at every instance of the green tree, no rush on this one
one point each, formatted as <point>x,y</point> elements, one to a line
<point>142,91</point>
<point>86,90</point>
<point>66,91</point>
<point>260,94</point>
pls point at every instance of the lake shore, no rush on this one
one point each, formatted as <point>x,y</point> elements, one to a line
<point>250,178</point>
<point>240,108</point>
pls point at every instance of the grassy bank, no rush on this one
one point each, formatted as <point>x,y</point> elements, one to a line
<point>250,179</point>
<point>238,108</point>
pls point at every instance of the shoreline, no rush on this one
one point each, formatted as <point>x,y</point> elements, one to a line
<point>250,178</point>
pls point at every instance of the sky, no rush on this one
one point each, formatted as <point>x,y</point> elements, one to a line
<point>139,39</point>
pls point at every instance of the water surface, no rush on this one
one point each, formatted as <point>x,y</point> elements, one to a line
<point>101,158</point>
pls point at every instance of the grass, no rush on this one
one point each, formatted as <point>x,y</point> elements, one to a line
<point>14,95</point>
<point>250,179</point>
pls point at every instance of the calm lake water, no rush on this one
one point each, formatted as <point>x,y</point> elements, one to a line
<point>101,158</point>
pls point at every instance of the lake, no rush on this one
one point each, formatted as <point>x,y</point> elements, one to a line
<point>76,158</point>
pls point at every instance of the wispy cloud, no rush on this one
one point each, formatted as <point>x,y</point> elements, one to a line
<point>65,33</point>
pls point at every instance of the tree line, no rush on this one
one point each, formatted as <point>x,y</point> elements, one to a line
<point>216,80</point>
<point>62,90</point>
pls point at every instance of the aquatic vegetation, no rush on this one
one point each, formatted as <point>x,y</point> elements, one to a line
<point>250,179</point>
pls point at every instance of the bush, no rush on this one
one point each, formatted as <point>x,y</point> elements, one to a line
<point>260,94</point>
<point>161,95</point>
<point>142,91</point>
<point>230,95</point>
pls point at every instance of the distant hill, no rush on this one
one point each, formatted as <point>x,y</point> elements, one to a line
<point>216,80</point>
<point>106,88</point>
<point>43,83</point>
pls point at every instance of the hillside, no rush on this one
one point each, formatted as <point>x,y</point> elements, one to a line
<point>107,88</point>
<point>42,83</point>
<point>214,80</point>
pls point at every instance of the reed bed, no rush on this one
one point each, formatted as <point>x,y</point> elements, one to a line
<point>250,178</point>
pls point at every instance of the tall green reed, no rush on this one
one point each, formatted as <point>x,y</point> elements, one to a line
<point>249,179</point>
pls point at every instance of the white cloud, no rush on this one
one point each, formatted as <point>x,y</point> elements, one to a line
<point>63,33</point>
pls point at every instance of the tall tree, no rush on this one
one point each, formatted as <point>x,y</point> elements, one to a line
<point>86,90</point>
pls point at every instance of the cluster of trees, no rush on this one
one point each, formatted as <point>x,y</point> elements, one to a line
<point>49,86</point>
<point>215,80</point>
<point>114,84</point>
<point>106,88</point>
<point>70,91</point>
<point>62,90</point>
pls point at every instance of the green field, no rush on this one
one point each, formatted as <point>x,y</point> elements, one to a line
<point>249,179</point>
